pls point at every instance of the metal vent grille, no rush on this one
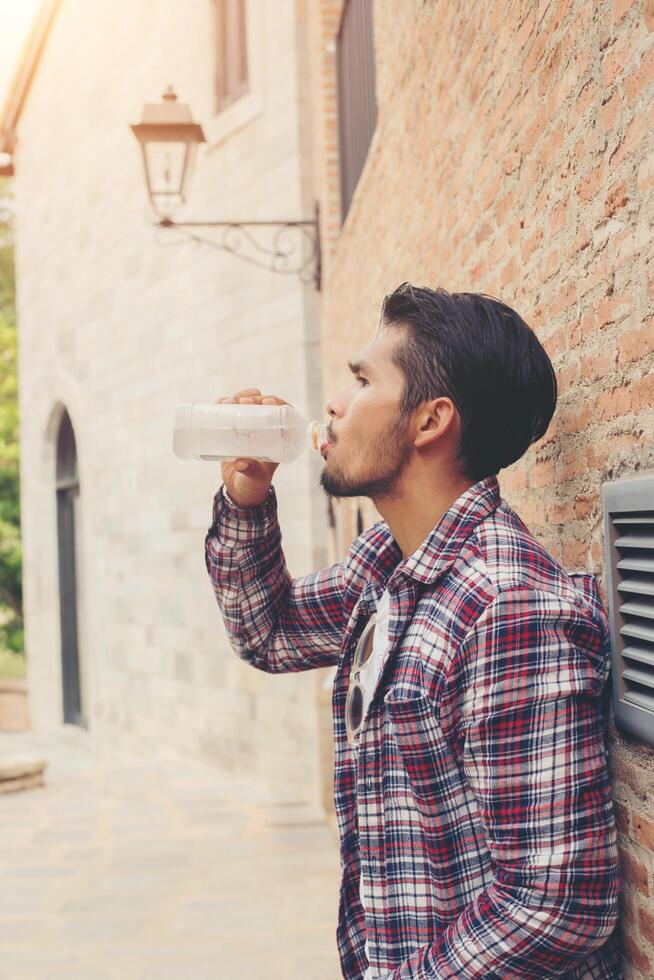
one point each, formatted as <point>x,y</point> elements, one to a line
<point>629,543</point>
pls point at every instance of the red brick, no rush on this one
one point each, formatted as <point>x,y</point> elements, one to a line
<point>565,298</point>
<point>616,199</point>
<point>616,57</point>
<point>541,474</point>
<point>598,272</point>
<point>601,453</point>
<point>574,335</point>
<point>563,88</point>
<point>556,14</point>
<point>637,956</point>
<point>598,364</point>
<point>643,830</point>
<point>535,53</point>
<point>552,266</point>
<point>634,869</point>
<point>525,29</point>
<point>610,111</point>
<point>555,343</point>
<point>576,420</point>
<point>514,156</point>
<point>620,7</point>
<point>552,145</point>
<point>484,231</point>
<point>514,231</point>
<point>503,207</point>
<point>596,555</point>
<point>514,479</point>
<point>575,554</point>
<point>613,403</point>
<point>637,129</point>
<point>571,466</point>
<point>636,343</point>
<point>585,506</point>
<point>588,96</point>
<point>581,242</point>
<point>622,813</point>
<point>559,512</point>
<point>532,244</point>
<point>642,394</point>
<point>639,80</point>
<point>638,779</point>
<point>613,309</point>
<point>646,924</point>
<point>591,183</point>
<point>569,375</point>
<point>558,215</point>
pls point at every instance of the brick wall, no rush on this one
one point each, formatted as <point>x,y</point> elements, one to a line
<point>514,155</point>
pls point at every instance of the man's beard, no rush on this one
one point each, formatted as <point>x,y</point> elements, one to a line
<point>389,454</point>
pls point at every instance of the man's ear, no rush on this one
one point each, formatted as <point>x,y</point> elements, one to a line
<point>433,420</point>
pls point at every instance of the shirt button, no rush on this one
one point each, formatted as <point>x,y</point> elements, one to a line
<point>369,783</point>
<point>373,864</point>
<point>363,607</point>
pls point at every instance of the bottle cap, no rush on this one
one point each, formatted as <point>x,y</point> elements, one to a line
<point>319,436</point>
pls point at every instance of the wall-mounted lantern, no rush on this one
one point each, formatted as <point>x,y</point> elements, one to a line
<point>168,138</point>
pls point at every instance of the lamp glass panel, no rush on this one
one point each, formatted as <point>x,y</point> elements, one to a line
<point>166,164</point>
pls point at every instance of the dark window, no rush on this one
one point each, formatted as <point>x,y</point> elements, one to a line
<point>357,105</point>
<point>231,51</point>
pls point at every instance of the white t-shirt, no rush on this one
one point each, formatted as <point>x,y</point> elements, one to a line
<point>368,677</point>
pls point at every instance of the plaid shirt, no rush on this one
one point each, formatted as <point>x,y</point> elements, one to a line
<point>478,807</point>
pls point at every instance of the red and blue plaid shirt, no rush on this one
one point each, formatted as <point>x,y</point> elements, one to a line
<point>477,807</point>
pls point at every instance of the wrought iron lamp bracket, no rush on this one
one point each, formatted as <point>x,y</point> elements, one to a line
<point>294,249</point>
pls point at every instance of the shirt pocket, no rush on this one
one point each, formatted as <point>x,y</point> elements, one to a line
<point>430,764</point>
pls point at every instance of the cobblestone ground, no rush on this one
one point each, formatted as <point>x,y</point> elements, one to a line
<point>163,869</point>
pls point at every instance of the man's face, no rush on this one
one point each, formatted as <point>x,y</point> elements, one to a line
<point>370,447</point>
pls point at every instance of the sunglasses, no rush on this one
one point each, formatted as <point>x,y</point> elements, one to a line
<point>354,700</point>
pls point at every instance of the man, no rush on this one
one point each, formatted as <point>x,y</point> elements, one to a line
<point>471,782</point>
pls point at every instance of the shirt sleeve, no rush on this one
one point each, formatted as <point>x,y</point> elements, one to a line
<point>530,675</point>
<point>274,622</point>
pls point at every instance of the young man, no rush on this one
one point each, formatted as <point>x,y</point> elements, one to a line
<point>471,781</point>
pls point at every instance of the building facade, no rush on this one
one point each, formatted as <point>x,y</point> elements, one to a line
<point>118,323</point>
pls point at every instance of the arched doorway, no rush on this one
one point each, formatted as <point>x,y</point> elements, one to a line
<point>67,482</point>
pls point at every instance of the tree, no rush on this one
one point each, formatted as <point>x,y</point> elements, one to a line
<point>11,591</point>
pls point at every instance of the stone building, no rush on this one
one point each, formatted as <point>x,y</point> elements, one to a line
<point>118,323</point>
<point>510,151</point>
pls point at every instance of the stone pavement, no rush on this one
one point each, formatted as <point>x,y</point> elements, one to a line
<point>160,869</point>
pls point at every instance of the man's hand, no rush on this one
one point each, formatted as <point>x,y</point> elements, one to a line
<point>248,480</point>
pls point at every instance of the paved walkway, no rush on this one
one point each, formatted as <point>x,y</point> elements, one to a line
<point>160,870</point>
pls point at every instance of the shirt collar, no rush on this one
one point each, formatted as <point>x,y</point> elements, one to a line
<point>442,545</point>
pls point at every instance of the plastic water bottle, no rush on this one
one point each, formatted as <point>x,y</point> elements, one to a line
<point>270,433</point>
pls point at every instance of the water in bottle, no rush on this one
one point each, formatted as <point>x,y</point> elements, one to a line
<point>270,433</point>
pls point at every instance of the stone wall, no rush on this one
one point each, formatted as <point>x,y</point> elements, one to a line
<point>117,324</point>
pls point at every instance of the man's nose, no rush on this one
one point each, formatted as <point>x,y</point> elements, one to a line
<point>335,407</point>
<point>330,407</point>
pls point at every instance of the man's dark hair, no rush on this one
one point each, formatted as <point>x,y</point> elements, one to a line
<point>474,349</point>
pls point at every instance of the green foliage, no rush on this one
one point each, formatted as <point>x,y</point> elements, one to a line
<point>11,592</point>
<point>12,664</point>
